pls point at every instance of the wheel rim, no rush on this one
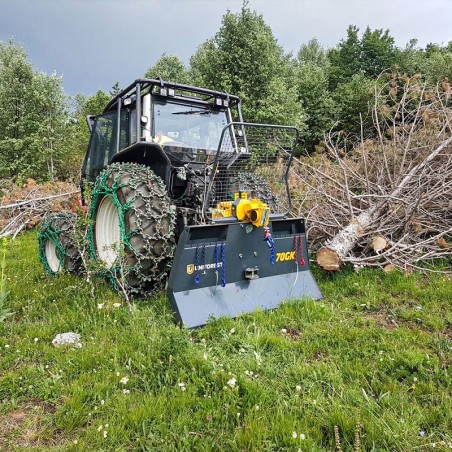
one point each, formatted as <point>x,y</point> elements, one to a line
<point>107,232</point>
<point>52,257</point>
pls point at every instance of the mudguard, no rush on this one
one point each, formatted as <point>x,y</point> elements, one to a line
<point>232,268</point>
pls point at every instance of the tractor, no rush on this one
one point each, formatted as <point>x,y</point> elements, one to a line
<point>181,192</point>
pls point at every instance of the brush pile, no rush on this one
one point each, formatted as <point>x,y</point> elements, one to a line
<point>387,202</point>
<point>23,208</point>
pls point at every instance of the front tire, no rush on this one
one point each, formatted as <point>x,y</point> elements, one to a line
<point>132,228</point>
<point>57,251</point>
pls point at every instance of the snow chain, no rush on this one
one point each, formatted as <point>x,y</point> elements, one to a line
<point>57,227</point>
<point>146,243</point>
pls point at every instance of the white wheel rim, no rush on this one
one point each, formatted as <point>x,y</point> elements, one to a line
<point>107,232</point>
<point>52,257</point>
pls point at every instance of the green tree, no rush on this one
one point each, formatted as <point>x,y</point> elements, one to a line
<point>354,100</point>
<point>317,102</point>
<point>312,67</point>
<point>49,121</point>
<point>16,75</point>
<point>115,89</point>
<point>313,53</point>
<point>32,118</point>
<point>437,66</point>
<point>169,68</point>
<point>84,106</point>
<point>369,55</point>
<point>378,52</point>
<point>244,58</point>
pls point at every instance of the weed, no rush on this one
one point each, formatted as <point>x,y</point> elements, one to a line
<point>4,311</point>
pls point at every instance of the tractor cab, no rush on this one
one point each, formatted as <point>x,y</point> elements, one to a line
<point>178,124</point>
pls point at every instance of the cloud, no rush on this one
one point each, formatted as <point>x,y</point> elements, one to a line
<point>95,43</point>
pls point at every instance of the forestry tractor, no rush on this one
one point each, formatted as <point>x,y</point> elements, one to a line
<point>175,183</point>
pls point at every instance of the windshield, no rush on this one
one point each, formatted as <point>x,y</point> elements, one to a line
<point>188,125</point>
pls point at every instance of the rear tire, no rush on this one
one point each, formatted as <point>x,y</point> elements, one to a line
<point>132,228</point>
<point>57,251</point>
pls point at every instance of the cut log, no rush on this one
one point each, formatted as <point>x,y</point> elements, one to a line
<point>330,256</point>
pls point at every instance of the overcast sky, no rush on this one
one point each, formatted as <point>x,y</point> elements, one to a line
<point>94,43</point>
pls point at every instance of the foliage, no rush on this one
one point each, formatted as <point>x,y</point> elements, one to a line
<point>317,101</point>
<point>79,132</point>
<point>354,99</point>
<point>170,68</point>
<point>244,58</point>
<point>33,119</point>
<point>369,55</point>
<point>377,343</point>
<point>317,90</point>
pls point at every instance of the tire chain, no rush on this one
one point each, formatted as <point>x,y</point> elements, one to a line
<point>146,223</point>
<point>59,227</point>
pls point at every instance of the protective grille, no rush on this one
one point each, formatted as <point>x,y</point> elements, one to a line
<point>254,158</point>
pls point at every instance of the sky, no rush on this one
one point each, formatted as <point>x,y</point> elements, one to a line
<point>95,43</point>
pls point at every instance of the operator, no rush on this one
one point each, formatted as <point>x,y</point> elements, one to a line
<point>162,139</point>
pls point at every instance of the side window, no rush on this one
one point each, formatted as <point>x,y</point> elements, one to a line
<point>102,145</point>
<point>124,136</point>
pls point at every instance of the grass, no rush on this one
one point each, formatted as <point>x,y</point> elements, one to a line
<point>372,358</point>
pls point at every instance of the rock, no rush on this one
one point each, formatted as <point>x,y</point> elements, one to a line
<point>67,339</point>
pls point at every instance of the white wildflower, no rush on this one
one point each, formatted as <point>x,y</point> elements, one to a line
<point>294,435</point>
<point>100,305</point>
<point>232,382</point>
<point>302,436</point>
<point>124,380</point>
<point>116,305</point>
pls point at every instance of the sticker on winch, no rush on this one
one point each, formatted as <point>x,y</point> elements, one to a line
<point>191,268</point>
<point>287,256</point>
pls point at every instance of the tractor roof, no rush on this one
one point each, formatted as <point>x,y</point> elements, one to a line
<point>176,91</point>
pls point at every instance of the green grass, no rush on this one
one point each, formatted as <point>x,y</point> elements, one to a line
<point>376,351</point>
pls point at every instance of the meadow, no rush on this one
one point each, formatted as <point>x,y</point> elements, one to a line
<point>366,368</point>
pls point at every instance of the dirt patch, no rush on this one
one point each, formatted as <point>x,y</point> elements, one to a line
<point>382,319</point>
<point>22,427</point>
